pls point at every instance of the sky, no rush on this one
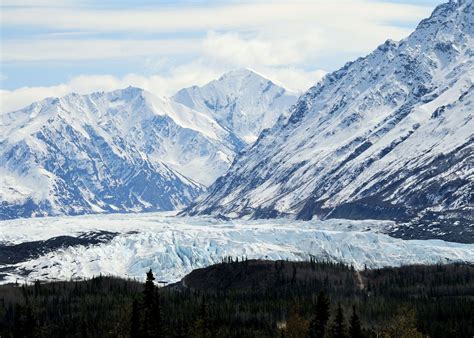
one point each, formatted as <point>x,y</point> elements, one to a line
<point>52,47</point>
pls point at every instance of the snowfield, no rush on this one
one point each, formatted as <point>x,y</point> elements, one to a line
<point>174,246</point>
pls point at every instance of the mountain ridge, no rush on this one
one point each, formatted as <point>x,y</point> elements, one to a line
<point>125,150</point>
<point>225,100</point>
<point>387,136</point>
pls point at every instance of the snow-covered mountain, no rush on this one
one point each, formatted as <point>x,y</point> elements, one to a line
<point>241,101</point>
<point>119,151</point>
<point>388,136</point>
<point>99,153</point>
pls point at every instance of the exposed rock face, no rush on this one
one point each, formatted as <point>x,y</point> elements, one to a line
<point>388,136</point>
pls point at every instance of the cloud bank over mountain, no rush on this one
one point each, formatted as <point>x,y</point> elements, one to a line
<point>82,46</point>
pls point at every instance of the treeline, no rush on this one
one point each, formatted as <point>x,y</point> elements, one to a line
<point>251,298</point>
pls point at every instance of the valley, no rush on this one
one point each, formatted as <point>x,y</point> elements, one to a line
<point>78,247</point>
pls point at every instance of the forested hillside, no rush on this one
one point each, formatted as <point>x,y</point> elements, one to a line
<point>251,299</point>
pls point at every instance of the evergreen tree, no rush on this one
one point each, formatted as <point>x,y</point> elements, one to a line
<point>156,313</point>
<point>37,287</point>
<point>84,332</point>
<point>181,330</point>
<point>293,277</point>
<point>152,325</point>
<point>201,324</point>
<point>339,329</point>
<point>135,327</point>
<point>355,330</point>
<point>239,304</point>
<point>321,317</point>
<point>25,321</point>
<point>149,292</point>
<point>17,324</point>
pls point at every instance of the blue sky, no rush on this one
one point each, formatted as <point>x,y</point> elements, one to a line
<point>49,48</point>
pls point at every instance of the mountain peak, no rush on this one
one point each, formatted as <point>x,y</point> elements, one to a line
<point>241,101</point>
<point>241,73</point>
<point>127,149</point>
<point>454,18</point>
<point>128,92</point>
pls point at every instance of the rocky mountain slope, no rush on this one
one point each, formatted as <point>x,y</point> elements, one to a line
<point>241,101</point>
<point>388,136</point>
<point>120,151</point>
<point>94,153</point>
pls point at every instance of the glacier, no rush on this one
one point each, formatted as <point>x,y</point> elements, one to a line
<point>174,246</point>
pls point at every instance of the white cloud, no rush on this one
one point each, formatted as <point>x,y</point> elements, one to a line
<point>195,73</point>
<point>270,51</point>
<point>74,50</point>
<point>297,44</point>
<point>270,33</point>
<point>233,16</point>
<point>18,98</point>
<point>283,40</point>
<point>180,77</point>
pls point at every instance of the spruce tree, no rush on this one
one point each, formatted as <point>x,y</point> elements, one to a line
<point>201,324</point>
<point>339,329</point>
<point>152,324</point>
<point>318,323</point>
<point>156,313</point>
<point>37,288</point>
<point>149,292</point>
<point>181,329</point>
<point>135,325</point>
<point>355,330</point>
<point>293,277</point>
